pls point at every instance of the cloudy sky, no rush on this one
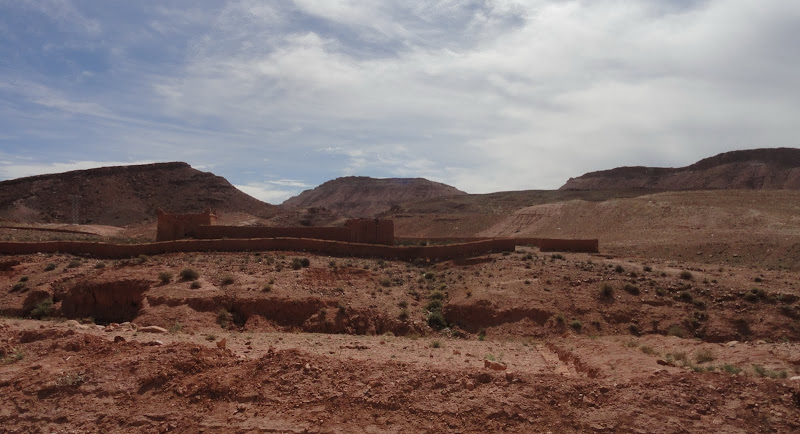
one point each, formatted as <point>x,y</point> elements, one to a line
<point>279,96</point>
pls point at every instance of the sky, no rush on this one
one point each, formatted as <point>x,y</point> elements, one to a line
<point>493,95</point>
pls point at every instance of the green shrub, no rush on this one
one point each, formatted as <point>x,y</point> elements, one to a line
<point>18,287</point>
<point>434,305</point>
<point>429,275</point>
<point>685,275</point>
<point>576,325</point>
<point>266,288</point>
<point>224,318</point>
<point>297,264</point>
<point>631,289</point>
<point>676,331</point>
<point>755,295</point>
<point>100,265</point>
<point>195,285</point>
<point>648,350</point>
<point>704,355</point>
<point>227,280</point>
<point>436,344</point>
<point>437,295</point>
<point>43,309</point>
<point>764,372</point>
<point>436,320</point>
<point>403,304</point>
<point>403,314</point>
<point>386,282</point>
<point>74,263</point>
<point>305,262</point>
<point>685,296</point>
<point>634,329</point>
<point>50,267</point>
<point>731,369</point>
<point>482,334</point>
<point>23,279</point>
<point>189,274</point>
<point>165,277</point>
<point>606,291</point>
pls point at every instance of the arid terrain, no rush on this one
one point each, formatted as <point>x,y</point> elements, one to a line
<point>687,320</point>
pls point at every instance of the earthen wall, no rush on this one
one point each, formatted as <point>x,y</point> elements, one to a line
<point>177,226</point>
<point>319,233</point>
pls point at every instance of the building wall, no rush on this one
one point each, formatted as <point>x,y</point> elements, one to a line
<point>319,233</point>
<point>371,231</point>
<point>177,226</point>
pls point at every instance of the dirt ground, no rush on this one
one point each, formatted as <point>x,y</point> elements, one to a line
<point>517,342</point>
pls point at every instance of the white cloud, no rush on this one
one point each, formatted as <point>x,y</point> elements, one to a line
<point>266,192</point>
<point>490,95</point>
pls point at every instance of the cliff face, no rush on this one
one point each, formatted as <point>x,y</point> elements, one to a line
<point>768,169</point>
<point>122,195</point>
<point>361,196</point>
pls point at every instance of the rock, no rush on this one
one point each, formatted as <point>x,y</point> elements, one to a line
<point>71,323</point>
<point>509,376</point>
<point>732,344</point>
<point>108,329</point>
<point>795,378</point>
<point>470,385</point>
<point>155,343</point>
<point>152,329</point>
<point>82,327</point>
<point>118,339</point>
<point>221,344</point>
<point>662,362</point>
<point>307,367</point>
<point>497,366</point>
<point>456,352</point>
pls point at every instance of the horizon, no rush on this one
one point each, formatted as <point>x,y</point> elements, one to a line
<point>484,96</point>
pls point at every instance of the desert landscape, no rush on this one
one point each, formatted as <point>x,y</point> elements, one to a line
<point>685,319</point>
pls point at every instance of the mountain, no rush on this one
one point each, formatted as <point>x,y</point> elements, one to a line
<point>122,195</point>
<point>361,196</point>
<point>754,169</point>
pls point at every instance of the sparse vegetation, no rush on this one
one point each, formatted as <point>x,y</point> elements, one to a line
<point>71,379</point>
<point>648,350</point>
<point>731,369</point>
<point>619,269</point>
<point>50,267</point>
<point>576,325</point>
<point>43,309</point>
<point>189,274</point>
<point>227,280</point>
<point>266,288</point>
<point>606,291</point>
<point>436,320</point>
<point>224,318</point>
<point>764,372</point>
<point>686,275</point>
<point>165,277</point>
<point>677,331</point>
<point>175,327</point>
<point>74,263</point>
<point>18,287</point>
<point>436,344</point>
<point>704,355</point>
<point>195,285</point>
<point>631,289</point>
<point>15,355</point>
<point>437,295</point>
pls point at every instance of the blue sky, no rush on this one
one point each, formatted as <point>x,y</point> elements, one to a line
<point>280,96</point>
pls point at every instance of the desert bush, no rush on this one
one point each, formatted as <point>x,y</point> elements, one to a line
<point>23,279</point>
<point>403,314</point>
<point>634,329</point>
<point>685,296</point>
<point>560,320</point>
<point>71,379</point>
<point>224,318</point>
<point>704,355</point>
<point>436,344</point>
<point>165,277</point>
<point>619,269</point>
<point>434,304</point>
<point>12,357</point>
<point>189,274</point>
<point>429,275</point>
<point>175,327</point>
<point>437,295</point>
<point>100,265</point>
<point>305,262</point>
<point>631,289</point>
<point>50,267</point>
<point>436,320</point>
<point>297,264</point>
<point>227,280</point>
<point>266,288</point>
<point>386,282</point>
<point>731,369</point>
<point>755,295</point>
<point>43,309</point>
<point>686,275</point>
<point>647,268</point>
<point>74,263</point>
<point>676,331</point>
<point>195,285</point>
<point>403,304</point>
<point>606,291</point>
<point>764,372</point>
<point>482,334</point>
<point>648,350</point>
<point>576,325</point>
<point>19,286</point>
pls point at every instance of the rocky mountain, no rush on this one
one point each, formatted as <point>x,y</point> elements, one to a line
<point>768,168</point>
<point>122,195</point>
<point>361,196</point>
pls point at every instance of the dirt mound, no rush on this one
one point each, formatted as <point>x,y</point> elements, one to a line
<point>122,195</point>
<point>361,196</point>
<point>769,168</point>
<point>112,301</point>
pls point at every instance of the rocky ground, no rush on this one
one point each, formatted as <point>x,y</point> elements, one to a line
<point>519,342</point>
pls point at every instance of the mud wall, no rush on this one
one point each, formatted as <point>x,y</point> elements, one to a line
<point>335,248</point>
<point>544,244</point>
<point>319,233</point>
<point>178,226</point>
<point>371,231</point>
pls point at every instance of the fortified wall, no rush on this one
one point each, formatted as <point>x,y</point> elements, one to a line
<point>173,227</point>
<point>179,226</point>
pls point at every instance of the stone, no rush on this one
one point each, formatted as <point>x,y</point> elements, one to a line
<point>153,329</point>
<point>795,378</point>
<point>497,366</point>
<point>484,378</point>
<point>509,376</point>
<point>732,344</point>
<point>470,385</point>
<point>118,339</point>
<point>71,323</point>
<point>221,344</point>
